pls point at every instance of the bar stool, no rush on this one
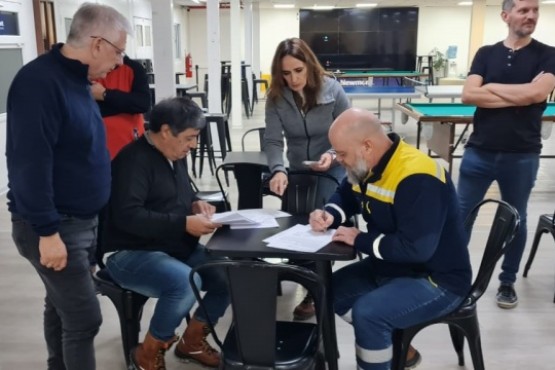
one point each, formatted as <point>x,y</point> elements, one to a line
<point>199,94</point>
<point>255,83</point>
<point>425,63</point>
<point>206,146</point>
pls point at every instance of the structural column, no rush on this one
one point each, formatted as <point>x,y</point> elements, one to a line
<point>477,24</point>
<point>235,25</point>
<point>213,56</point>
<point>162,29</point>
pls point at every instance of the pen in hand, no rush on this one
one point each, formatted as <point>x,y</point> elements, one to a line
<point>324,216</point>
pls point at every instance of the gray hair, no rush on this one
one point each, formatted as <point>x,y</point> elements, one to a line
<point>96,20</point>
<point>508,5</point>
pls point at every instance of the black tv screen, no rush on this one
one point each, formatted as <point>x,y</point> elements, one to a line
<point>358,20</point>
<point>365,39</point>
<point>319,21</point>
<point>322,42</point>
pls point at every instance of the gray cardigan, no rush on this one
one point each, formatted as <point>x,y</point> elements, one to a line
<point>307,136</point>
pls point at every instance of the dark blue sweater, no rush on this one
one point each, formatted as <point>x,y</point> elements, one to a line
<point>412,214</point>
<point>56,151</point>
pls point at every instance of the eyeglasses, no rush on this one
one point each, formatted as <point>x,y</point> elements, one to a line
<point>119,51</point>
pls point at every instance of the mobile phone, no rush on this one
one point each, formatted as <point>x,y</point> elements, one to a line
<point>309,163</point>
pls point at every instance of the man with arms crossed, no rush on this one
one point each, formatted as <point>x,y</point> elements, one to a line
<point>509,83</point>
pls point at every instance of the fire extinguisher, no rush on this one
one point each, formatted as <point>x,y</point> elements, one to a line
<point>188,66</point>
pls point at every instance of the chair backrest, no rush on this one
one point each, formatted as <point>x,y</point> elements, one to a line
<point>301,195</point>
<point>254,324</point>
<point>260,131</point>
<point>249,183</point>
<point>504,226</point>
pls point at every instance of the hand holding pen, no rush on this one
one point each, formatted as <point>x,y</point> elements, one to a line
<point>320,220</point>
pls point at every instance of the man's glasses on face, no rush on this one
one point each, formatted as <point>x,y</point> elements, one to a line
<point>119,51</point>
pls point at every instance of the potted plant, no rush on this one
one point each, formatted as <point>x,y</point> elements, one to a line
<point>439,62</point>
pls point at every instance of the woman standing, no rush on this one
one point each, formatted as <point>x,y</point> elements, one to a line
<point>302,102</point>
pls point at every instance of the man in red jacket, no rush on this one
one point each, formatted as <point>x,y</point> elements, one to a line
<point>123,96</point>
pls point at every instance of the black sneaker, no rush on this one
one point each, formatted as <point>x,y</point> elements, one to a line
<point>506,296</point>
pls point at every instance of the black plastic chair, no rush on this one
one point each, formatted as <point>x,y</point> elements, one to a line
<point>255,339</point>
<point>300,196</point>
<point>129,306</point>
<point>249,183</point>
<point>546,223</point>
<point>260,131</point>
<point>215,197</point>
<point>463,322</point>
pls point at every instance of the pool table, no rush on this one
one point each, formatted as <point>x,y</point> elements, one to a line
<point>443,118</point>
<point>368,77</point>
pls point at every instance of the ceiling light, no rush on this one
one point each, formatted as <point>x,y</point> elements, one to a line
<point>284,6</point>
<point>465,3</point>
<point>548,2</point>
<point>323,7</point>
<point>366,5</point>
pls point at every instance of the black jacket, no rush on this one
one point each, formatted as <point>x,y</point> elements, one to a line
<point>149,203</point>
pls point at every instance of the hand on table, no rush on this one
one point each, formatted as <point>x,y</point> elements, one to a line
<point>346,235</point>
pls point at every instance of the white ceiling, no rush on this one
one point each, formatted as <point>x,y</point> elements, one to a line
<point>351,3</point>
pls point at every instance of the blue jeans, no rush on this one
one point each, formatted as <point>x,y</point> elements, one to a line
<point>377,305</point>
<point>156,274</point>
<point>515,174</point>
<point>72,315</point>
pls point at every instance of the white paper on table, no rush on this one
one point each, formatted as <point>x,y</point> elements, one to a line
<point>255,213</point>
<point>261,224</point>
<point>231,218</point>
<point>249,218</point>
<point>300,238</point>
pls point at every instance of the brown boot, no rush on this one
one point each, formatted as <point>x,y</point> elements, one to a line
<point>413,358</point>
<point>149,355</point>
<point>304,310</point>
<point>193,345</point>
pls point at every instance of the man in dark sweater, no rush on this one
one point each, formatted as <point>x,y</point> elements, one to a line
<point>59,176</point>
<point>418,267</point>
<point>153,225</point>
<point>509,83</point>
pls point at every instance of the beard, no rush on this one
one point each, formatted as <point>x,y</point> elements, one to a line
<point>358,172</point>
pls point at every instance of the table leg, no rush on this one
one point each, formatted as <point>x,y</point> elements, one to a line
<point>323,269</point>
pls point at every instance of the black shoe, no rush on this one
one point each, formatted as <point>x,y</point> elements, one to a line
<point>506,296</point>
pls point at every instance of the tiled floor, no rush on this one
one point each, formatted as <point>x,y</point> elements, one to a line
<point>518,339</point>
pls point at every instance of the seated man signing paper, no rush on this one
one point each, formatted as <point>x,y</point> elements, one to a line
<point>418,266</point>
<point>153,224</point>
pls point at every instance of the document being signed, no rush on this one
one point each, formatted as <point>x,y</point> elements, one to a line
<point>300,238</point>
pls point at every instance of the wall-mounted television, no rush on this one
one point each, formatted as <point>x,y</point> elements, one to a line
<point>364,39</point>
